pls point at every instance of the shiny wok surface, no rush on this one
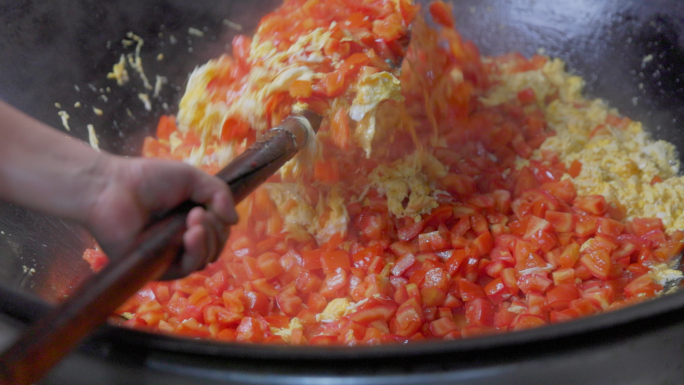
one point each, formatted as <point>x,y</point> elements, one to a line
<point>48,48</point>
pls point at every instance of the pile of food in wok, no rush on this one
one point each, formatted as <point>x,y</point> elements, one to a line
<point>447,195</point>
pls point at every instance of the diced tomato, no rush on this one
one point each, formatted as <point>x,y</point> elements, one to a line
<point>166,126</point>
<point>389,29</point>
<point>483,244</point>
<point>332,260</point>
<point>610,227</point>
<point>290,304</point>
<point>593,204</point>
<point>599,264</point>
<point>561,222</point>
<point>586,225</point>
<point>269,264</point>
<point>534,282</point>
<point>489,246</point>
<point>563,276</point>
<point>326,171</point>
<point>442,326</point>
<point>575,168</point>
<point>497,291</point>
<point>442,14</point>
<point>527,96</point>
<point>559,297</point>
<point>96,259</point>
<point>409,318</point>
<point>249,330</point>
<point>480,312</point>
<point>300,89</point>
<point>433,241</point>
<point>527,321</point>
<point>470,291</point>
<point>642,286</point>
<point>312,259</point>
<point>339,129</point>
<point>377,312</point>
<point>403,264</point>
<point>411,231</point>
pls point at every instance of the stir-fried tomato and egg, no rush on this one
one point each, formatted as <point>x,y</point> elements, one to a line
<point>456,197</point>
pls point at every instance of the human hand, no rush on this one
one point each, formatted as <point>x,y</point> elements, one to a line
<point>127,192</point>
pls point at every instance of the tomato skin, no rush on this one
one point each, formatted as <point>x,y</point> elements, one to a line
<point>340,129</point>
<point>559,297</point>
<point>390,28</point>
<point>527,321</point>
<point>593,204</point>
<point>527,96</point>
<point>599,264</point>
<point>534,282</point>
<point>290,304</point>
<point>96,259</point>
<point>497,291</point>
<point>300,89</point>
<point>643,286</point>
<point>641,226</point>
<point>166,126</point>
<point>470,291</point>
<point>575,168</point>
<point>561,222</point>
<point>409,318</point>
<point>332,260</point>
<point>382,312</point>
<point>442,14</point>
<point>480,312</point>
<point>433,241</point>
<point>249,330</point>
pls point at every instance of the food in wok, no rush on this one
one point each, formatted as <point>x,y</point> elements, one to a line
<point>447,196</point>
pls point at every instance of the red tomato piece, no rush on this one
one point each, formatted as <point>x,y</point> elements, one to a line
<point>332,260</point>
<point>496,291</point>
<point>527,96</point>
<point>642,286</point>
<point>561,222</point>
<point>593,204</point>
<point>527,321</point>
<point>433,241</point>
<point>470,291</point>
<point>559,297</point>
<point>480,312</point>
<point>442,14</point>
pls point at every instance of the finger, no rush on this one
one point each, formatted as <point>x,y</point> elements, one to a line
<point>195,243</point>
<point>196,217</point>
<point>224,206</point>
<point>204,245</point>
<point>217,230</point>
<point>215,194</point>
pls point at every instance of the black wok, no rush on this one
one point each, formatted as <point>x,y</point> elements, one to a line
<point>48,48</point>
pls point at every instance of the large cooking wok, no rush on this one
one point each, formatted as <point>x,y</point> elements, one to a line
<point>58,52</point>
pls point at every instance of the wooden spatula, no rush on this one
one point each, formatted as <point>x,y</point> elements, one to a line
<point>53,336</point>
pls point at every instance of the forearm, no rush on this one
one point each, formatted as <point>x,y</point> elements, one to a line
<point>44,169</point>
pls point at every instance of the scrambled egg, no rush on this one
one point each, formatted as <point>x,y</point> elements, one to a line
<point>301,219</point>
<point>272,72</point>
<point>371,91</point>
<point>409,178</point>
<point>662,274</point>
<point>119,72</point>
<point>335,309</point>
<point>286,333</point>
<point>619,163</point>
